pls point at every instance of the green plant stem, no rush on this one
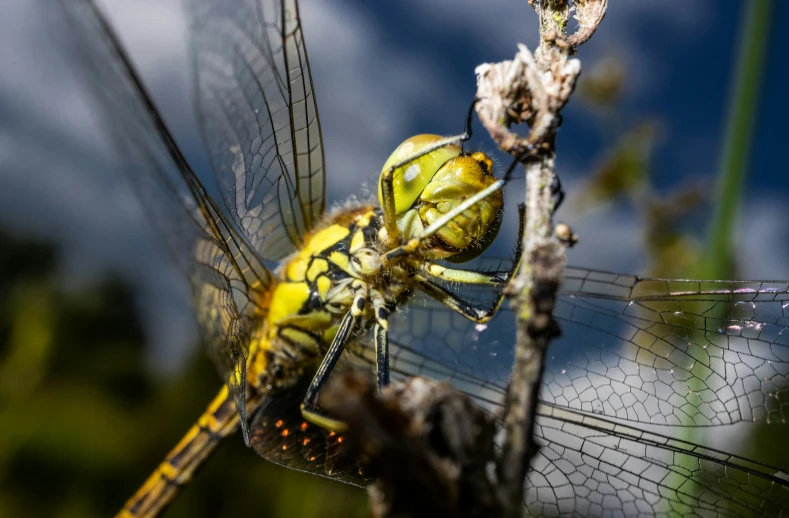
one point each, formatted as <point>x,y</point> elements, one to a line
<point>718,259</point>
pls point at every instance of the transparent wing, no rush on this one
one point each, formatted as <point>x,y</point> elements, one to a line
<point>647,350</point>
<point>259,118</point>
<point>226,276</point>
<point>588,466</point>
<point>281,435</point>
<point>676,352</point>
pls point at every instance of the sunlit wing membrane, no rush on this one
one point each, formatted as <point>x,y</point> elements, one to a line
<point>226,276</point>
<point>587,466</point>
<point>667,352</point>
<point>676,352</point>
<point>688,353</point>
<point>630,349</point>
<point>259,118</point>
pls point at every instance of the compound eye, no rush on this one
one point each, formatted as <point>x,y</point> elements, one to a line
<point>410,179</point>
<point>471,232</point>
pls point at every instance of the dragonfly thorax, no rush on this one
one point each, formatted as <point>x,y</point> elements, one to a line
<point>318,285</point>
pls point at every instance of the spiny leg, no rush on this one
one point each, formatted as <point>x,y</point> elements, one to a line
<point>381,335</point>
<point>455,303</point>
<point>348,325</point>
<point>381,355</point>
<point>414,243</point>
<point>452,301</point>
<point>436,271</point>
<point>387,186</point>
<point>557,192</point>
<point>467,130</point>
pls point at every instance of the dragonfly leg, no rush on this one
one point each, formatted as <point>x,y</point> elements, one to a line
<point>467,130</point>
<point>453,302</point>
<point>387,186</point>
<point>390,213</point>
<point>456,303</point>
<point>348,325</point>
<point>414,243</point>
<point>381,334</point>
<point>437,271</point>
<point>557,192</point>
<point>381,355</point>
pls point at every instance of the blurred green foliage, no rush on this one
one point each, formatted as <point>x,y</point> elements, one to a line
<point>83,421</point>
<point>718,260</point>
<point>623,174</point>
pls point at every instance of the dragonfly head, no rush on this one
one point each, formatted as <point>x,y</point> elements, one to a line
<point>430,186</point>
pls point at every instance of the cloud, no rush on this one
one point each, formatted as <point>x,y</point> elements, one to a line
<point>60,183</point>
<point>378,80</point>
<point>762,239</point>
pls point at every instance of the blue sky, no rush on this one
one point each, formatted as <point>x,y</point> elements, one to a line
<point>382,71</point>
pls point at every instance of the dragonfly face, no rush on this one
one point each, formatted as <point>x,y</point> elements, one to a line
<point>430,186</point>
<point>686,353</point>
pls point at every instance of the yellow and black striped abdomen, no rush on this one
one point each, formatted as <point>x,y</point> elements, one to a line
<point>217,422</point>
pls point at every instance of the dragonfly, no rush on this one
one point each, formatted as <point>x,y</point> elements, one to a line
<point>286,292</point>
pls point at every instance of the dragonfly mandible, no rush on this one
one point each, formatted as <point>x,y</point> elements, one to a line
<point>671,352</point>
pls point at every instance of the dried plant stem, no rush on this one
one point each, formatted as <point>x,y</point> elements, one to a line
<point>533,89</point>
<point>537,284</point>
<point>429,446</point>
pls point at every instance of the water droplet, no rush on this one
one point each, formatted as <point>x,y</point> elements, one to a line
<point>479,328</point>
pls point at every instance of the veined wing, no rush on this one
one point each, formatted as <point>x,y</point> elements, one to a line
<point>227,277</point>
<point>676,352</point>
<point>587,465</point>
<point>259,118</point>
<point>280,434</point>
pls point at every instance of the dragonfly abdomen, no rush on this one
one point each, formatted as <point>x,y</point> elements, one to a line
<point>219,420</point>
